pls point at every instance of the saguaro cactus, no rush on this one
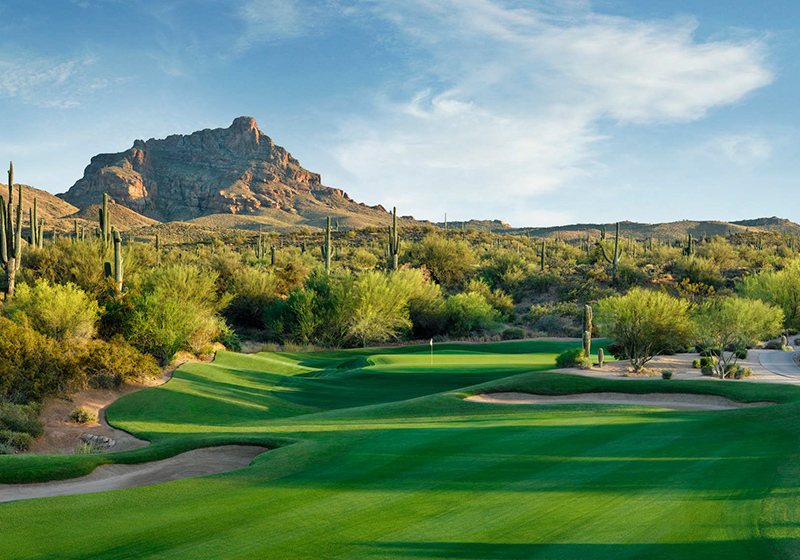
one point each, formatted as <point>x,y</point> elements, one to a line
<point>542,254</point>
<point>587,343</point>
<point>105,222</point>
<point>33,218</point>
<point>394,241</point>
<point>272,255</point>
<point>12,234</point>
<point>326,248</point>
<point>3,238</point>
<point>600,357</point>
<point>260,252</point>
<point>614,259</point>
<point>587,330</point>
<point>118,260</point>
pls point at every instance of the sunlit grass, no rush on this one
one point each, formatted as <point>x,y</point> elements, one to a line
<point>377,455</point>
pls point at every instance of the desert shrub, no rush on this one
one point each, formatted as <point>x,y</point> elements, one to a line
<point>708,361</point>
<point>32,365</point>
<point>560,308</point>
<point>110,364</point>
<point>361,259</point>
<point>253,289</point>
<point>172,308</point>
<point>742,373</point>
<point>469,313</point>
<point>778,287</point>
<point>319,312</point>
<point>552,325</point>
<point>19,441</point>
<point>696,364</point>
<point>229,339</point>
<point>570,358</point>
<point>64,312</point>
<point>496,298</point>
<point>666,374</point>
<point>513,333</point>
<point>629,275</point>
<point>708,371</point>
<point>88,448</point>
<point>292,347</point>
<point>292,271</point>
<point>740,353</point>
<point>425,302</point>
<point>62,261</point>
<point>773,345</point>
<point>699,271</point>
<point>541,282</point>
<point>227,266</point>
<point>450,261</point>
<point>380,310</point>
<point>21,417</point>
<point>82,415</point>
<point>506,269</point>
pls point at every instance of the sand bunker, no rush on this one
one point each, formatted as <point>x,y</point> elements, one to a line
<point>677,401</point>
<point>198,462</point>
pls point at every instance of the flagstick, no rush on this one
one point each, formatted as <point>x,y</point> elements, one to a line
<point>431,351</point>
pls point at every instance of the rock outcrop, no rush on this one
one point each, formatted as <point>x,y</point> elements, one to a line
<point>234,170</point>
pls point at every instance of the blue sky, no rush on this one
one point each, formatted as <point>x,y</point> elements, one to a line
<point>536,113</point>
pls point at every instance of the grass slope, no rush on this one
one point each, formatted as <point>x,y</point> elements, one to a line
<point>381,458</point>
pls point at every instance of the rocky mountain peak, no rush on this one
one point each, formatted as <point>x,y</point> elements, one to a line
<point>231,170</point>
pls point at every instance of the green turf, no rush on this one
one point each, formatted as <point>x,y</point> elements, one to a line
<point>378,456</point>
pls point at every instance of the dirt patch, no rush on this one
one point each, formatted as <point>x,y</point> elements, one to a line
<point>63,436</point>
<point>198,462</point>
<point>676,401</point>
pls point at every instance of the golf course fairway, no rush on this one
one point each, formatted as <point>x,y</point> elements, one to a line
<point>374,453</point>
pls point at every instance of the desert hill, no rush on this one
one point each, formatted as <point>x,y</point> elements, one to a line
<point>122,218</point>
<point>48,206</point>
<point>666,230</point>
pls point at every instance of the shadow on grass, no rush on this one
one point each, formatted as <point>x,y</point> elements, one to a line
<point>568,551</point>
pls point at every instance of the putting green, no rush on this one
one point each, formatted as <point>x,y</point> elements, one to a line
<point>380,457</point>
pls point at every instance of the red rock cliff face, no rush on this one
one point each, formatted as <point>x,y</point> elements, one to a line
<point>225,170</point>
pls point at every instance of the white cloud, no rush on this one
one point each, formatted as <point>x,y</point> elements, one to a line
<point>740,149</point>
<point>507,103</point>
<point>273,20</point>
<point>47,82</point>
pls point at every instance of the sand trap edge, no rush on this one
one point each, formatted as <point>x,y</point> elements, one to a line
<point>675,401</point>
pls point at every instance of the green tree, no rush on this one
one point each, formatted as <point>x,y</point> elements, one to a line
<point>732,323</point>
<point>644,323</point>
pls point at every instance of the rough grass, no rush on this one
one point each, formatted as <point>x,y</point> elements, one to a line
<point>379,457</point>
